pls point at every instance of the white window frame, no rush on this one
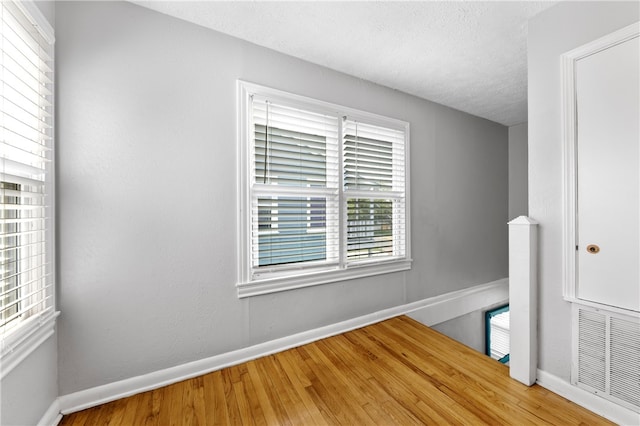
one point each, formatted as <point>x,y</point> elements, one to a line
<point>19,341</point>
<point>289,279</point>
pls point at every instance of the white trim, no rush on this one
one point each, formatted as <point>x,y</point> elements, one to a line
<point>21,343</point>
<point>457,303</point>
<point>568,177</point>
<point>588,400</point>
<point>242,190</point>
<point>444,307</point>
<point>523,299</point>
<point>272,285</point>
<point>523,221</point>
<point>322,107</point>
<point>606,308</point>
<point>38,20</point>
<point>52,416</point>
<point>569,166</point>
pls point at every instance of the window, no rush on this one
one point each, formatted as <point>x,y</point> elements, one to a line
<point>26,268</point>
<point>497,334</point>
<point>323,192</point>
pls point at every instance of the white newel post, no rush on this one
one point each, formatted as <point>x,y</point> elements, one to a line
<point>523,295</point>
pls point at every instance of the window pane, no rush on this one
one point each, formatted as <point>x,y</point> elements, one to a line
<point>292,146</point>
<point>286,157</point>
<point>369,228</point>
<point>291,230</point>
<point>373,157</point>
<point>367,164</point>
<point>497,334</point>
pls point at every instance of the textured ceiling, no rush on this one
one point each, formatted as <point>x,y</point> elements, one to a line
<point>468,55</point>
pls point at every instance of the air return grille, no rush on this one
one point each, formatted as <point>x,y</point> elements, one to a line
<point>625,360</point>
<point>592,344</point>
<point>607,355</point>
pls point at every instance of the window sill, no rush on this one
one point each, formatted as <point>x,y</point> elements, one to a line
<point>21,342</point>
<point>274,285</point>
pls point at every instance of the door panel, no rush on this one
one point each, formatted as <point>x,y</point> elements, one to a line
<point>608,163</point>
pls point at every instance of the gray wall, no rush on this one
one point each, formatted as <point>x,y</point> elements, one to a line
<point>552,33</point>
<point>30,388</point>
<point>28,391</point>
<point>518,171</point>
<point>48,9</point>
<point>469,329</point>
<point>147,195</point>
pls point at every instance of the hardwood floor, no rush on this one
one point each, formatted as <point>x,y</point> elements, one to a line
<point>397,372</point>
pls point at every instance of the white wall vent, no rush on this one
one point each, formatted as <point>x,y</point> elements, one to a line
<point>606,355</point>
<point>592,349</point>
<point>625,360</point>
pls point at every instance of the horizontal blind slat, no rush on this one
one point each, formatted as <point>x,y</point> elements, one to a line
<point>18,221</point>
<point>37,147</point>
<point>36,93</point>
<point>23,247</point>
<point>15,139</point>
<point>27,119</point>
<point>17,154</point>
<point>28,103</point>
<point>21,180</point>
<point>25,272</point>
<point>13,167</point>
<point>17,63</point>
<point>11,263</point>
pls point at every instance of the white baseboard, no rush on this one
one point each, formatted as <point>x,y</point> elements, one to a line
<point>436,310</point>
<point>592,402</point>
<point>430,311</point>
<point>52,416</point>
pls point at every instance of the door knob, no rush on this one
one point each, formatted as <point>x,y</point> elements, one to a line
<point>593,248</point>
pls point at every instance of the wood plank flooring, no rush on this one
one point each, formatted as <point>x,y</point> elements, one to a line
<point>397,372</point>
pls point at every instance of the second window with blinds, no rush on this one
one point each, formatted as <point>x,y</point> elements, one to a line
<point>323,192</point>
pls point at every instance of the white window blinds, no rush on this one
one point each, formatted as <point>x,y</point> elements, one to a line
<point>294,187</point>
<point>374,187</point>
<point>26,286</point>
<point>373,157</point>
<point>294,147</point>
<point>323,193</point>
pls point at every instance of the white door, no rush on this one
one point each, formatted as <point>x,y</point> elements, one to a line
<point>608,163</point>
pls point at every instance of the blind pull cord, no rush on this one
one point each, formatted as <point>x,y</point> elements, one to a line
<point>266,146</point>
